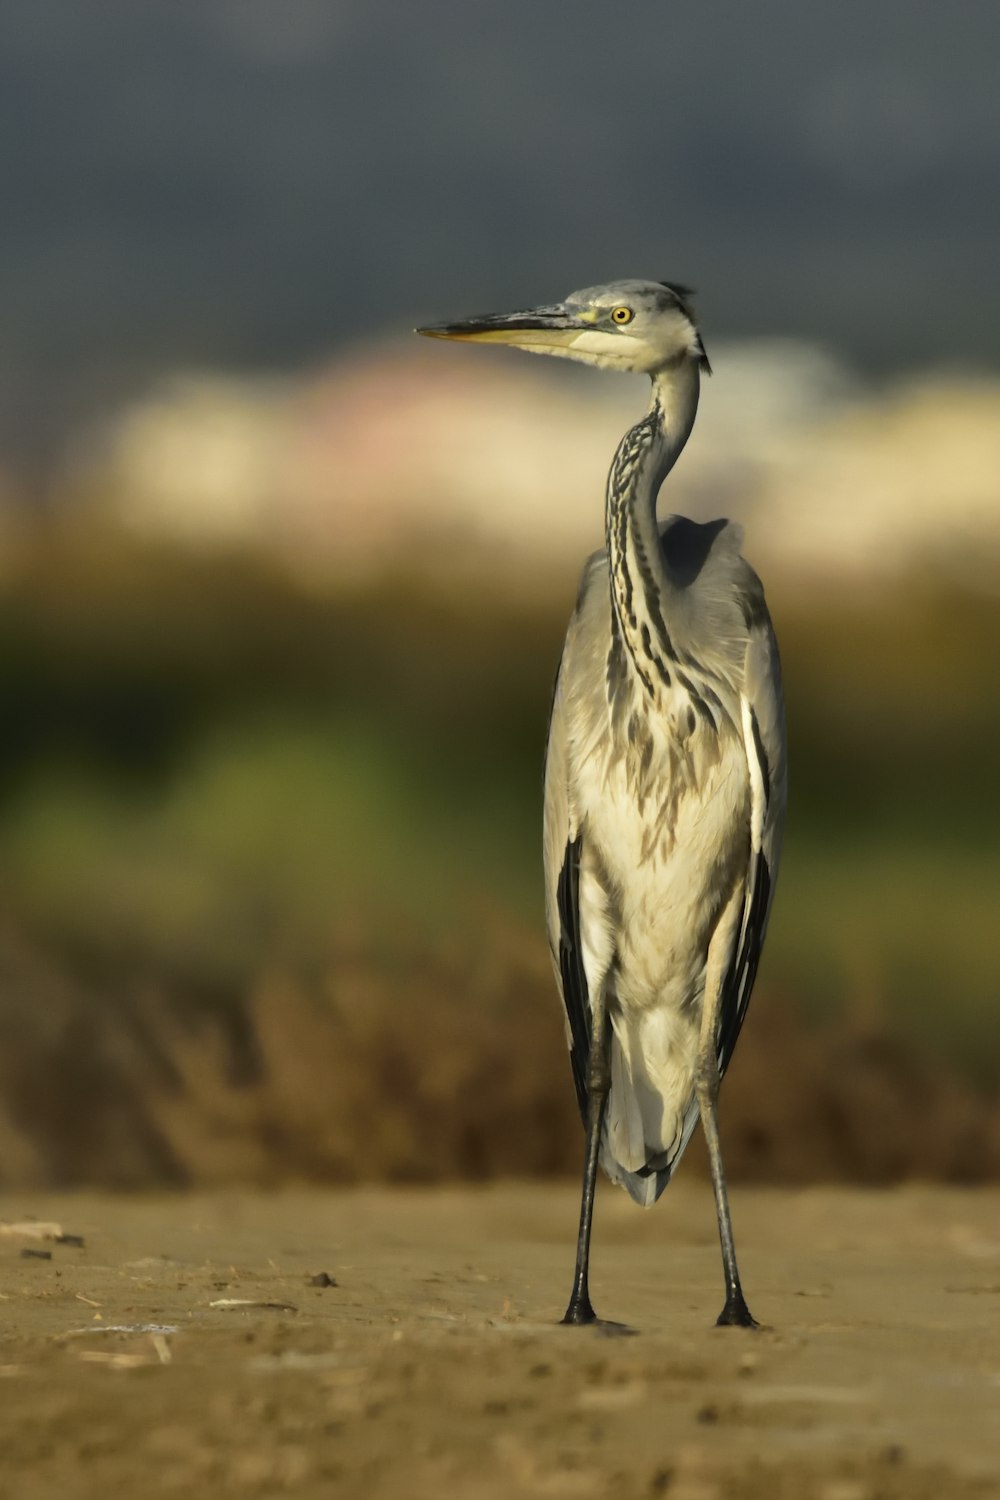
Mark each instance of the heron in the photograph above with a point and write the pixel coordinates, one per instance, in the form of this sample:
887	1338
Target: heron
665	777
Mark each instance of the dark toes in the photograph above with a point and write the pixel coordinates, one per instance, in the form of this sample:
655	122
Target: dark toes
736	1314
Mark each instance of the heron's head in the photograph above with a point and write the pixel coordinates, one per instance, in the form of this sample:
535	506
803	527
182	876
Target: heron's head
637	326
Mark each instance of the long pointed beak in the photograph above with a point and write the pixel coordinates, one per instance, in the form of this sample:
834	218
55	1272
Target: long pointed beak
539	327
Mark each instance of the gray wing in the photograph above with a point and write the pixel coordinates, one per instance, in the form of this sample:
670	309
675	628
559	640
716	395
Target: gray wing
563	841
763	717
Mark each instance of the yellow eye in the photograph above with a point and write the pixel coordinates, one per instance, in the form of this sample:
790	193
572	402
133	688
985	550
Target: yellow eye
622	315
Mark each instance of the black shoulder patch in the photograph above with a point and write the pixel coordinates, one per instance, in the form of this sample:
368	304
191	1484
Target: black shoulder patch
685	546
743	969
574	980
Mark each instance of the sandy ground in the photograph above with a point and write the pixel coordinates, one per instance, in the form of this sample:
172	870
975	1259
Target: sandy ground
187	1347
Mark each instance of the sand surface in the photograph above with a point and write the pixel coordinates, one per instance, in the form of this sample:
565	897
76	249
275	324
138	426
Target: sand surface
185	1347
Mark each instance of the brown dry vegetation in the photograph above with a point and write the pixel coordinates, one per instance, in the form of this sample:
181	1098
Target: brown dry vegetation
422	1067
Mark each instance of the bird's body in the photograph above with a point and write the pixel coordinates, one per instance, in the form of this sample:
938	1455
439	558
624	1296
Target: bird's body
664	780
661	805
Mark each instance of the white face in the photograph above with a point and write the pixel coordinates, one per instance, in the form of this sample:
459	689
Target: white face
639	326
634	325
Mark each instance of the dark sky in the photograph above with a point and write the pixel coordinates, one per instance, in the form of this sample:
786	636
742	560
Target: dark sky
256	182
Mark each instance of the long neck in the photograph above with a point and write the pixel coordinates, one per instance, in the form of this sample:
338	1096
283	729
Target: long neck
639	585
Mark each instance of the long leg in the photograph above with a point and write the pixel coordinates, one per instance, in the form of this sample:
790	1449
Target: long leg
735	1314
598	1086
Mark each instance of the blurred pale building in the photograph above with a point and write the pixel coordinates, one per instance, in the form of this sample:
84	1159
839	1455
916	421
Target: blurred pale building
201	460
910	477
414	455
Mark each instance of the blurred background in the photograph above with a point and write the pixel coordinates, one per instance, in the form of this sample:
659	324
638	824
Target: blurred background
282	589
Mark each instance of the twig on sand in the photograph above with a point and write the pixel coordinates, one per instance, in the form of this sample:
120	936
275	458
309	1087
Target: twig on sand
114	1361
161	1347
31	1229
39	1229
231	1304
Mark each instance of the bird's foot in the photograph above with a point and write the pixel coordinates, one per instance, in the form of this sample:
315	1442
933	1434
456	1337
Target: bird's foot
580	1314
736	1314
